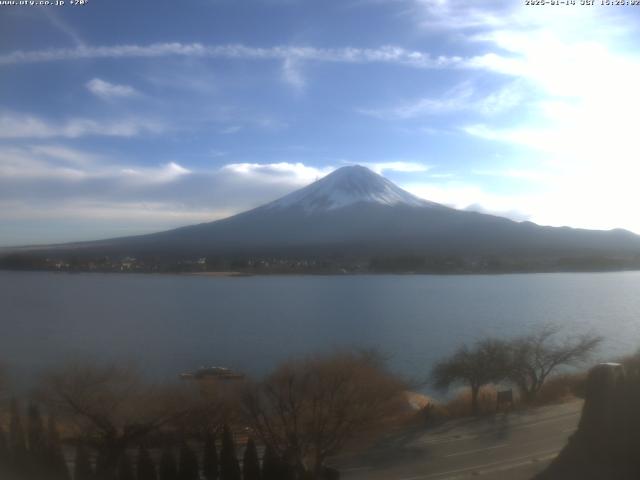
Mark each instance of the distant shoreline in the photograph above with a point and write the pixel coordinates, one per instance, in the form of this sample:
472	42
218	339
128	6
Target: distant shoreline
235	274
218	274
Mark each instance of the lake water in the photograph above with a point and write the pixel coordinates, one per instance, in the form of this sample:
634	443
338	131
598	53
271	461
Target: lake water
172	323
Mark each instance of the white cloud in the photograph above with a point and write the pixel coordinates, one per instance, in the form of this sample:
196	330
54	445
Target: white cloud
467	196
461	15
42	162
483	21
106	90
62	26
29	163
126	213
398	166
574	72
501	100
462	97
165	173
191	76
294	174
292	75
299	174
20	125
534	175
107	197
231	129
458	98
385	54
64	154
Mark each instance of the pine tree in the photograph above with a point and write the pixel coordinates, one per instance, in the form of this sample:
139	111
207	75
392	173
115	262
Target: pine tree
210	458
37	442
251	462
56	463
188	464
17	444
4	455
103	471
270	465
82	467
286	470
168	466
229	466
146	468
125	468
275	467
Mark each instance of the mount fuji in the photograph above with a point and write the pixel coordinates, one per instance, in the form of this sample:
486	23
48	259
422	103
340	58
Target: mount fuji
358	214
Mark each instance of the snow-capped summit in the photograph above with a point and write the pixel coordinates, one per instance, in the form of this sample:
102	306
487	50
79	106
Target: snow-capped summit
347	186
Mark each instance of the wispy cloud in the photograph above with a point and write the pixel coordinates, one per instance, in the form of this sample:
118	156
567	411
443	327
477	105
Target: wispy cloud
450	15
64	154
148	175
574	72
467	196
231	129
397	166
463	97
62	26
534	175
106	90
292	75
295	174
61	184
197	77
385	54
20	125
46	161
455	100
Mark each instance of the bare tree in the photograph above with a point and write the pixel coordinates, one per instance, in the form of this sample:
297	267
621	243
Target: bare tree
4	380
534	357
214	403
307	410
110	404
486	362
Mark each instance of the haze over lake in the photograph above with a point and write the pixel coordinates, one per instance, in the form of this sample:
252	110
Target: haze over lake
170	323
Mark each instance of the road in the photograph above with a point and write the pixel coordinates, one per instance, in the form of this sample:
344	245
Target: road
512	446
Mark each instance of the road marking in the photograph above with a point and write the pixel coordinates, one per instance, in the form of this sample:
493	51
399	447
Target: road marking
502	465
469	452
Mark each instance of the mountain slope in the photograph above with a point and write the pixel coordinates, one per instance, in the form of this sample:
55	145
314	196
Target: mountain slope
356	213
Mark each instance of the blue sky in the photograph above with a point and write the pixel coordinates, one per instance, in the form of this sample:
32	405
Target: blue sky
119	117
